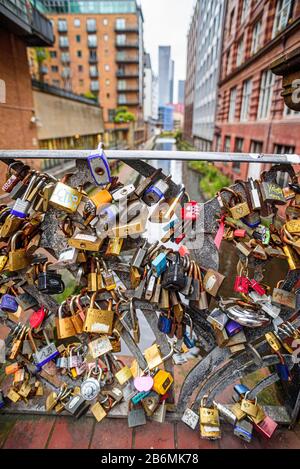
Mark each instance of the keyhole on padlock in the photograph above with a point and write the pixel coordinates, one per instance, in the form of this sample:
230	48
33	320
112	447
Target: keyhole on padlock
99	171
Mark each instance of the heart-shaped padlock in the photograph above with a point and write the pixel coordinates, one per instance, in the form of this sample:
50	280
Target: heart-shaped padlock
37	318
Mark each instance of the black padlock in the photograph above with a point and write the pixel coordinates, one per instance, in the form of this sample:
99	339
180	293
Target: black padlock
174	278
50	282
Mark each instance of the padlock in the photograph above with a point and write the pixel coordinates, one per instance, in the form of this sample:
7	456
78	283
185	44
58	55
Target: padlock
138	397
92	276
174	277
241	285
239	391
77	314
190	418
46	354
17	343
259	289
249	407
254	195
283	297
123	193
17	259
86	242
267	427
209	421
136	416
123	375
98	412
226	413
37	317
99	321
77	406
99	347
107	219
99	167
67	257
64	325
12	179
232	328
26	301
162	381
240	209
90	387
108	277
159	264
218	319
150	403
156	192
101	199
114	247
145	183
212	282
243	429
139	256
22	205
50	282
65	198
165	322
190	211
150	286
8	303
272	193
165	211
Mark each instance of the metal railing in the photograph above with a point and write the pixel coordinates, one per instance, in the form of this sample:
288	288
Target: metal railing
128	155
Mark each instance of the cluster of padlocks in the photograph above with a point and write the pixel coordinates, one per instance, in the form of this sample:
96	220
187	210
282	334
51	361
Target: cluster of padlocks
68	355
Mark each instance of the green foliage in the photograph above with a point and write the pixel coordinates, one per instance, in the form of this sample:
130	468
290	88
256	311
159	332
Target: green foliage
90	95
42	54
123	115
212	179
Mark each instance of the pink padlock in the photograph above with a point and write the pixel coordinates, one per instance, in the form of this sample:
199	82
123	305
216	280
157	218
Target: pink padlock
241	285
239	233
183	251
257	287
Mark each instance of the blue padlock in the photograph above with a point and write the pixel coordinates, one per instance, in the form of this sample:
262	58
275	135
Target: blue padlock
239	392
233	327
188	341
99	168
164	324
283	372
156	192
139	397
159	264
9	303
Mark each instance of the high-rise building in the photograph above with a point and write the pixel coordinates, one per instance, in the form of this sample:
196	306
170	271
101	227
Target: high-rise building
189	91
181	86
148	88
252	116
99	52
208	39
165	76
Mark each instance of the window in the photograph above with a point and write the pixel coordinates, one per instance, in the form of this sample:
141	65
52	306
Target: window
94	85
107	68
247	89
105	37
256	147
53	54
93	55
62	26
92	40
80	68
256	37
284	149
107	82
63	41
105	21
282	15
81	82
227	144
121	39
79	53
91	25
290	112
245	9
77	23
120	23
78	38
228	62
231	113
93	71
107	95
54	68
66	72
266	93
65	57
238	148
218	143
122	85
240	52
56	82
111	115
122	99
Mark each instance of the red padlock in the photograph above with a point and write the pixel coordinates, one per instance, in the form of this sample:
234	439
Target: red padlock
183	251
190	211
239	233
257	287
37	318
241	285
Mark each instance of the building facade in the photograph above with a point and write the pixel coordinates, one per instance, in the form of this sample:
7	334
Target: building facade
189	91
165	75
181	86
99	51
148	88
208	39
21	25
252	116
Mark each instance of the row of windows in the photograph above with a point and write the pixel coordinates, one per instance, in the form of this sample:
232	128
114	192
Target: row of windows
93	69
265	98
91	24
282	15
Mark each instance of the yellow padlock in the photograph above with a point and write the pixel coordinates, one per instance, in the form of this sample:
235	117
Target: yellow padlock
163	380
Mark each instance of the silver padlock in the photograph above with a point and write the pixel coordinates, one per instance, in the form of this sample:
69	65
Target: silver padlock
255	200
99	167
190	418
90	387
124	192
22	206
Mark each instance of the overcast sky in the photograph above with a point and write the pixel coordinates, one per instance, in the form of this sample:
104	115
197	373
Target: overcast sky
166	23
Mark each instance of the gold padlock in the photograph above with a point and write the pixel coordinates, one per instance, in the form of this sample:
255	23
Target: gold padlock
124	374
153	356
17	258
97	320
65	198
101	198
64	325
77	314
92	277
293	226
240	209
85	242
114	247
249	407
209	421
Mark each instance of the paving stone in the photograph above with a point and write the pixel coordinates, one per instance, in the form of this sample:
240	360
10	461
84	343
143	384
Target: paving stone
30	433
155	435
112	434
6	424
69	433
190	439
282	439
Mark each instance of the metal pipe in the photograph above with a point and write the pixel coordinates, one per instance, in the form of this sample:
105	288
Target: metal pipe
153	155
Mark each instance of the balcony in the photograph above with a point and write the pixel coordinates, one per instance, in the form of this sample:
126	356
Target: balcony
63	42
126	29
127	74
65	59
127	44
94	74
134	59
92	44
93	60
127	102
22	19
128	89
62	28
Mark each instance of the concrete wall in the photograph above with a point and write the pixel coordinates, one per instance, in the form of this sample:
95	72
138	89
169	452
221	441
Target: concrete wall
60	117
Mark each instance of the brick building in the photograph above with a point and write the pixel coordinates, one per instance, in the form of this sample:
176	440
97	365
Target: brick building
189	91
252	116
21	25
99	51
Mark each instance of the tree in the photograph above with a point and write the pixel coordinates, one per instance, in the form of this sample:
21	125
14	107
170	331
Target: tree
42	55
123	115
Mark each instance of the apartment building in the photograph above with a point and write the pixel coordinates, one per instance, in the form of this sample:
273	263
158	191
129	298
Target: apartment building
99	51
189	89
252	116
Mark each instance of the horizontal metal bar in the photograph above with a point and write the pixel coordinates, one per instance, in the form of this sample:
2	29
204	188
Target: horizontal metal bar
153	155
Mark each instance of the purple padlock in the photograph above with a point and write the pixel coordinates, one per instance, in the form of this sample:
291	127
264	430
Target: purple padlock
9	303
233	327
